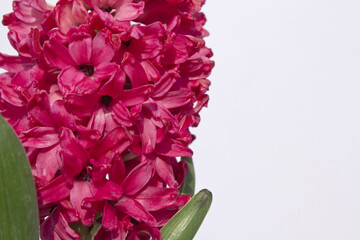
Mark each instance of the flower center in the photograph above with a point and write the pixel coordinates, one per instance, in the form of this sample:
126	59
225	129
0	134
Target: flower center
110	10
106	100
88	69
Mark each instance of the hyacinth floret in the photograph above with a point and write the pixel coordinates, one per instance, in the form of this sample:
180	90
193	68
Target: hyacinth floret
102	95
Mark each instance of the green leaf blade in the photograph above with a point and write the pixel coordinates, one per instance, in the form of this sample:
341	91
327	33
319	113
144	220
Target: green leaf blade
19	216
185	224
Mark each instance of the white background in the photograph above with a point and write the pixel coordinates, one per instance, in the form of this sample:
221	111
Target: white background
279	144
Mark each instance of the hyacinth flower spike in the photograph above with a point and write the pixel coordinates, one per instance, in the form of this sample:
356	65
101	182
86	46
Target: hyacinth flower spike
102	96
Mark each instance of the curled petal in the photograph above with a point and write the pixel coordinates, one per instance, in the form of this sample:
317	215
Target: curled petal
79	192
70	13
173	148
109	219
55	227
16	63
73	155
156	198
136	95
39	109
138	178
116	141
176	99
135	210
59	186
40	137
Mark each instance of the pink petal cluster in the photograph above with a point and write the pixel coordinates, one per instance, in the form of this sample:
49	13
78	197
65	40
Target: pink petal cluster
102	95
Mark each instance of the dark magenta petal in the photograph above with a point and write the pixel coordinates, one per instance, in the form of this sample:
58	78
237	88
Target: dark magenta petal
156	198
138	178
39	108
61	116
40	137
176	98
8	93
80	48
134	70
134	209
16	63
47	162
79	192
136	95
99	170
122	114
107	190
68	211
105	70
118	172
97	120
163	86
109	218
172	148
57	54
148	40
165	171
69	78
147	132
114	86
81	105
103	48
87	138
55	227
56	190
73	155
116	141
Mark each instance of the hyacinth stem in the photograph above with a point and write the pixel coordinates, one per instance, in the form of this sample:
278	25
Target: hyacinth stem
188	188
87	232
83	230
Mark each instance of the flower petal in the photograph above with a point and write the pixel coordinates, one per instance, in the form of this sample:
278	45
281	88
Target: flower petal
55	227
81	105
69	78
135	210
39	109
80	48
172	148
40	137
57	54
129	11
138	178
136	95
109	219
79	192
47	162
156	198
103	49
116	141
73	155
56	190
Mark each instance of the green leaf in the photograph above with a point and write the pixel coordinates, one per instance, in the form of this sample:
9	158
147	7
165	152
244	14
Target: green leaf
188	186
19	216
185	223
